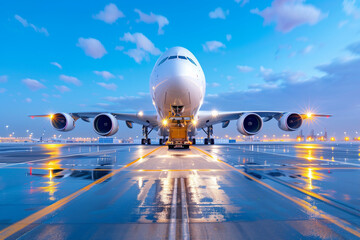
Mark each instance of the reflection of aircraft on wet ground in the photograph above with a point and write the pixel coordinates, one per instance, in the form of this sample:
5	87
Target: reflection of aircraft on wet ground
177	87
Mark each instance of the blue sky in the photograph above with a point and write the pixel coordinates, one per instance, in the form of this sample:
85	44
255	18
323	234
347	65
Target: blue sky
61	56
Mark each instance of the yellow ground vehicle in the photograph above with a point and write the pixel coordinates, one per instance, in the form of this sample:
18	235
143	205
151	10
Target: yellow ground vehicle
178	132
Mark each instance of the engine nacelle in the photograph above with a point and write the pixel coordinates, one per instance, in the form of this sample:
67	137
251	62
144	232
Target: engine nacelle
290	121
249	124
62	122
105	124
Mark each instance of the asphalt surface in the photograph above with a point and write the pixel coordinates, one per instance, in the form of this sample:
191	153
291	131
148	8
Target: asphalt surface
245	191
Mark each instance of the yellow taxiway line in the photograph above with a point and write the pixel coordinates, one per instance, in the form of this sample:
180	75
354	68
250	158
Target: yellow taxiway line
20	225
338	222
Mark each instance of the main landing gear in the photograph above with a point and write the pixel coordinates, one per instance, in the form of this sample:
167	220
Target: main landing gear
162	141
146	132
209	132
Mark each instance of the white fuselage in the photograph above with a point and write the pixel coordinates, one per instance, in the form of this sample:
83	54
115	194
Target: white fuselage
178	81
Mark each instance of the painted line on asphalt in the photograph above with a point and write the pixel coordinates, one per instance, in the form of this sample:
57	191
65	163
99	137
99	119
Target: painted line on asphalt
172	228
337	221
312	159
20	225
184	211
61	157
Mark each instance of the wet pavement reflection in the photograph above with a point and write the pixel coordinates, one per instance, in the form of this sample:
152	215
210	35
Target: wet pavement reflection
222	191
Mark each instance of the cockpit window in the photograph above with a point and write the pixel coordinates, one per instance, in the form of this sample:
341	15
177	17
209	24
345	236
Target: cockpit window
182	57
172	57
162	61
192	61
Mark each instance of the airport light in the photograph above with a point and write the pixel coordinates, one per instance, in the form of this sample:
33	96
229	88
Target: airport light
165	122
347	139
214	113
194	122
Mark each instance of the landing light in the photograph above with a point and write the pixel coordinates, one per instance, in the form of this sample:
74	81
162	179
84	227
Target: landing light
141	113
194	122
51	116
164	122
309	115
214	113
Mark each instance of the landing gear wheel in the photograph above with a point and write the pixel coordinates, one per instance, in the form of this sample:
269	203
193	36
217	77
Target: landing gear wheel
212	141
206	141
160	141
149	141
171	146
143	141
193	141
186	146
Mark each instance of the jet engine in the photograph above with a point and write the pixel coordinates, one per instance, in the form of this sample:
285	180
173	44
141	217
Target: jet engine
290	121
249	124
62	122
105	124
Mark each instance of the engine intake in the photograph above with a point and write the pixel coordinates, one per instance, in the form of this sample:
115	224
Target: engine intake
62	122
249	124
105	124
290	122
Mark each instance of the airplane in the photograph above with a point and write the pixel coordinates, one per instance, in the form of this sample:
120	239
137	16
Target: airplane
177	88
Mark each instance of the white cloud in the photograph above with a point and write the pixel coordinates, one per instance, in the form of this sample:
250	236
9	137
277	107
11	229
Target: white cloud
213	46
244	69
119	48
142	42
110	14
242	2
56	64
219	13
137	54
33	84
284	77
351	9
143	46
121	77
28	100
92	47
105	74
108	86
3	79
228	37
342	23
153	18
62	88
290	14
70	79
2	90
215	84
307	49
25	23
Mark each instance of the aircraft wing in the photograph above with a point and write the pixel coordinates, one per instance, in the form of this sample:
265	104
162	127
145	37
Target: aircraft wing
149	120
208	118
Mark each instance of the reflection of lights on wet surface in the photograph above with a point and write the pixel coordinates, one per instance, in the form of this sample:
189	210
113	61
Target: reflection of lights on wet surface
53	149
310	177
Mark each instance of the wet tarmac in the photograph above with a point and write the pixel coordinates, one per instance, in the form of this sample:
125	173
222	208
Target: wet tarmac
243	191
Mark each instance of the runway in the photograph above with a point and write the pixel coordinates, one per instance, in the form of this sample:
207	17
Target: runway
237	191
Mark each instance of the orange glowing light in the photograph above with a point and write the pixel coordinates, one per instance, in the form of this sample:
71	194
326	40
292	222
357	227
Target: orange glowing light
51	116
347	138
164	122
309	115
332	139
